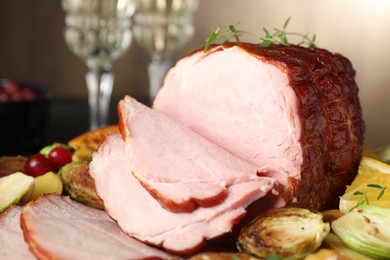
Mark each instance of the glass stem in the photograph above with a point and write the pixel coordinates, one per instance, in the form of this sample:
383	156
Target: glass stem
100	83
157	70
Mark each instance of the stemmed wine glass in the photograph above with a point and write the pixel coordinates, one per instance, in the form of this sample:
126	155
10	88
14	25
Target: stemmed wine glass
98	31
161	27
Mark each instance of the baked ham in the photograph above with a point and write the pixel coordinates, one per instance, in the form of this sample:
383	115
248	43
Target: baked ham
180	168
291	111
11	236
141	216
234	115
57	227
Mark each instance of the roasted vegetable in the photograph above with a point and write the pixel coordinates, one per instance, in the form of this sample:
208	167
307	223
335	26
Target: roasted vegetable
88	142
291	233
221	256
334	243
366	229
331	215
13	188
11	164
325	253
47	183
79	184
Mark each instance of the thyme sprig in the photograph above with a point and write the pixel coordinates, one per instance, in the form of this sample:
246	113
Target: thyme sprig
364	198
279	36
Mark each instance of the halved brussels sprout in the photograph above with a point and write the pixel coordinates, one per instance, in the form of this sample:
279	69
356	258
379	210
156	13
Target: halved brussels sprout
366	229
79	184
291	233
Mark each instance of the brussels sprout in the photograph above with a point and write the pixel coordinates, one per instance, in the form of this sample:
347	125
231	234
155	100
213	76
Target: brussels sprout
331	215
366	229
13	187
79	184
291	233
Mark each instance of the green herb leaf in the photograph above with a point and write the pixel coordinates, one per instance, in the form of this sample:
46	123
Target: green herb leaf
381	194
375	186
277	37
364	199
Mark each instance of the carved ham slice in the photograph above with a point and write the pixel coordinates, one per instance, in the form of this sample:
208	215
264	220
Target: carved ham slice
142	217
11	236
180	168
59	228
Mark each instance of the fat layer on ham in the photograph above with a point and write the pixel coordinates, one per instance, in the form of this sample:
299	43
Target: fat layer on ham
59	228
143	217
180	168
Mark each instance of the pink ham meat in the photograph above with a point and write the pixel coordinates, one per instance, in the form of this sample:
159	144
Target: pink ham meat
12	245
180	168
291	111
140	215
59	228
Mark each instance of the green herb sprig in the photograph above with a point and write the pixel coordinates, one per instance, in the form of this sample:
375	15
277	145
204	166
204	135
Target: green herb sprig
364	199
279	36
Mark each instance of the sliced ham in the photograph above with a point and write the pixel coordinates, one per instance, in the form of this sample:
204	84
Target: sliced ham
291	111
180	168
59	228
12	242
140	215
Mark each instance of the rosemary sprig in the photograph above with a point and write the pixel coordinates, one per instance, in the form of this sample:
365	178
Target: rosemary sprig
279	36
364	199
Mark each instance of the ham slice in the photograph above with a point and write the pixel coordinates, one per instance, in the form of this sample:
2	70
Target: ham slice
291	111
11	236
143	217
57	227
180	168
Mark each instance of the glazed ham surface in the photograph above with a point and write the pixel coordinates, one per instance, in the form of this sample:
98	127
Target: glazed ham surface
57	227
12	243
291	111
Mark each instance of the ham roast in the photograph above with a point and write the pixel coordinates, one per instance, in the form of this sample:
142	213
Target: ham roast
11	236
57	227
235	128
291	111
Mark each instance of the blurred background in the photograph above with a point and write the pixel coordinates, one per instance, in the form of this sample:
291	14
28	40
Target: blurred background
32	48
